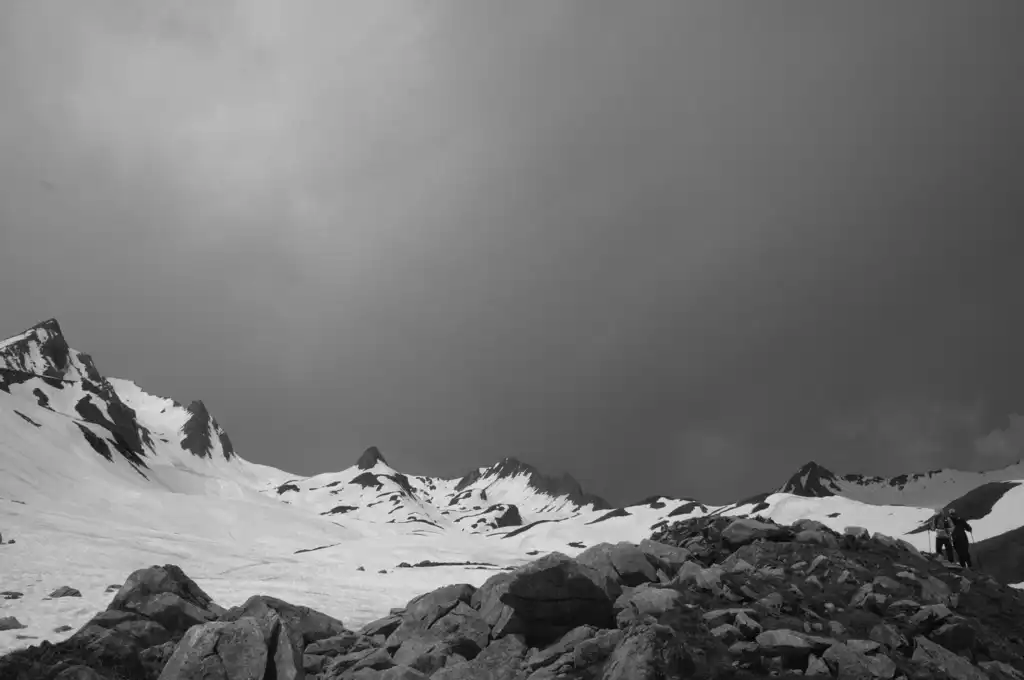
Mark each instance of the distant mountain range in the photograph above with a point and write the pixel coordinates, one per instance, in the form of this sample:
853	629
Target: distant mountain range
62	421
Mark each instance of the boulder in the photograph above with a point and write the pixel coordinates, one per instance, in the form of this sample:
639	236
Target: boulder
644	602
79	673
10	623
790	643
423	655
624	564
649	652
336	645
385	626
743	531
888	635
717	617
463	630
595	650
429	605
502	660
545	599
66	591
816	537
560	650
304	625
238	649
354	664
941	662
956	636
667	557
807	524
859	533
852	664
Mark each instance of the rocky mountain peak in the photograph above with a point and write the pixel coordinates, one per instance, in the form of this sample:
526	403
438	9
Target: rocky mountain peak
370	458
42	350
563	486
811	480
199	432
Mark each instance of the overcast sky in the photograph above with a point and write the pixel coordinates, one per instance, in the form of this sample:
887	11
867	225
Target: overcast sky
668	247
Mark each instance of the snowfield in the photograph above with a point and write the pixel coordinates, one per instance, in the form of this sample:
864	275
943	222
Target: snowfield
84	511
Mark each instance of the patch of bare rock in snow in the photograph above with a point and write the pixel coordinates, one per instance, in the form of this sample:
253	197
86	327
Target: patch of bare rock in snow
719	598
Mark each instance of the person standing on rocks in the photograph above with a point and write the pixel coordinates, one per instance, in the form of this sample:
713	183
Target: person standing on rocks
960	542
942	525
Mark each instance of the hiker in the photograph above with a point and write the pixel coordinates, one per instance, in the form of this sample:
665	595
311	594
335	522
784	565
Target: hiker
942	525
959	535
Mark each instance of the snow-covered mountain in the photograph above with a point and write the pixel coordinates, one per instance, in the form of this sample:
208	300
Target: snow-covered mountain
88	461
933	489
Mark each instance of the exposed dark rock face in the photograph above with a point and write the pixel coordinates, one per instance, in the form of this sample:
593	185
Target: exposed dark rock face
811	480
559	487
121	425
9	378
26	418
370	458
688	508
618	512
509	518
199	431
979	501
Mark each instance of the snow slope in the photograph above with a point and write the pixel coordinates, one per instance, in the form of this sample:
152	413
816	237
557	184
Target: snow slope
932	489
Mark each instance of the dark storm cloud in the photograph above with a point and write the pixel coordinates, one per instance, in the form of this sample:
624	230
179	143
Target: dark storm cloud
669	248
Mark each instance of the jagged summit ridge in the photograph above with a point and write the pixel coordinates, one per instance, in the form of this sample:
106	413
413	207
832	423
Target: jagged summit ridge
812	480
58	378
563	486
370	458
42	350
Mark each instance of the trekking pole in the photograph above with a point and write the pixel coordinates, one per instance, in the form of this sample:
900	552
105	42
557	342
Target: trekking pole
977	558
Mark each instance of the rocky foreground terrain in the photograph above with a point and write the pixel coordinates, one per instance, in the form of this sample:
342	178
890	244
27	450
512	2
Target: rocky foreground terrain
726	598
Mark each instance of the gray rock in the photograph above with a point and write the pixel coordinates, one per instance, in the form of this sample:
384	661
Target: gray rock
667	557
718	616
336	644
219	650
546	599
817	538
727	633
747	626
385	626
817	667
11	623
888	635
66	591
649	653
502	660
851	664
783	642
402	673
623	563
857	532
437	603
744	531
563	648
940	660
644	602
423	655
304	625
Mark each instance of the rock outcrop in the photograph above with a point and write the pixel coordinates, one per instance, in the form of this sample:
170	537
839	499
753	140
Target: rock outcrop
718	598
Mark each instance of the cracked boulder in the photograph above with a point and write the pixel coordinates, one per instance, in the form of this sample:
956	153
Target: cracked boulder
546	599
